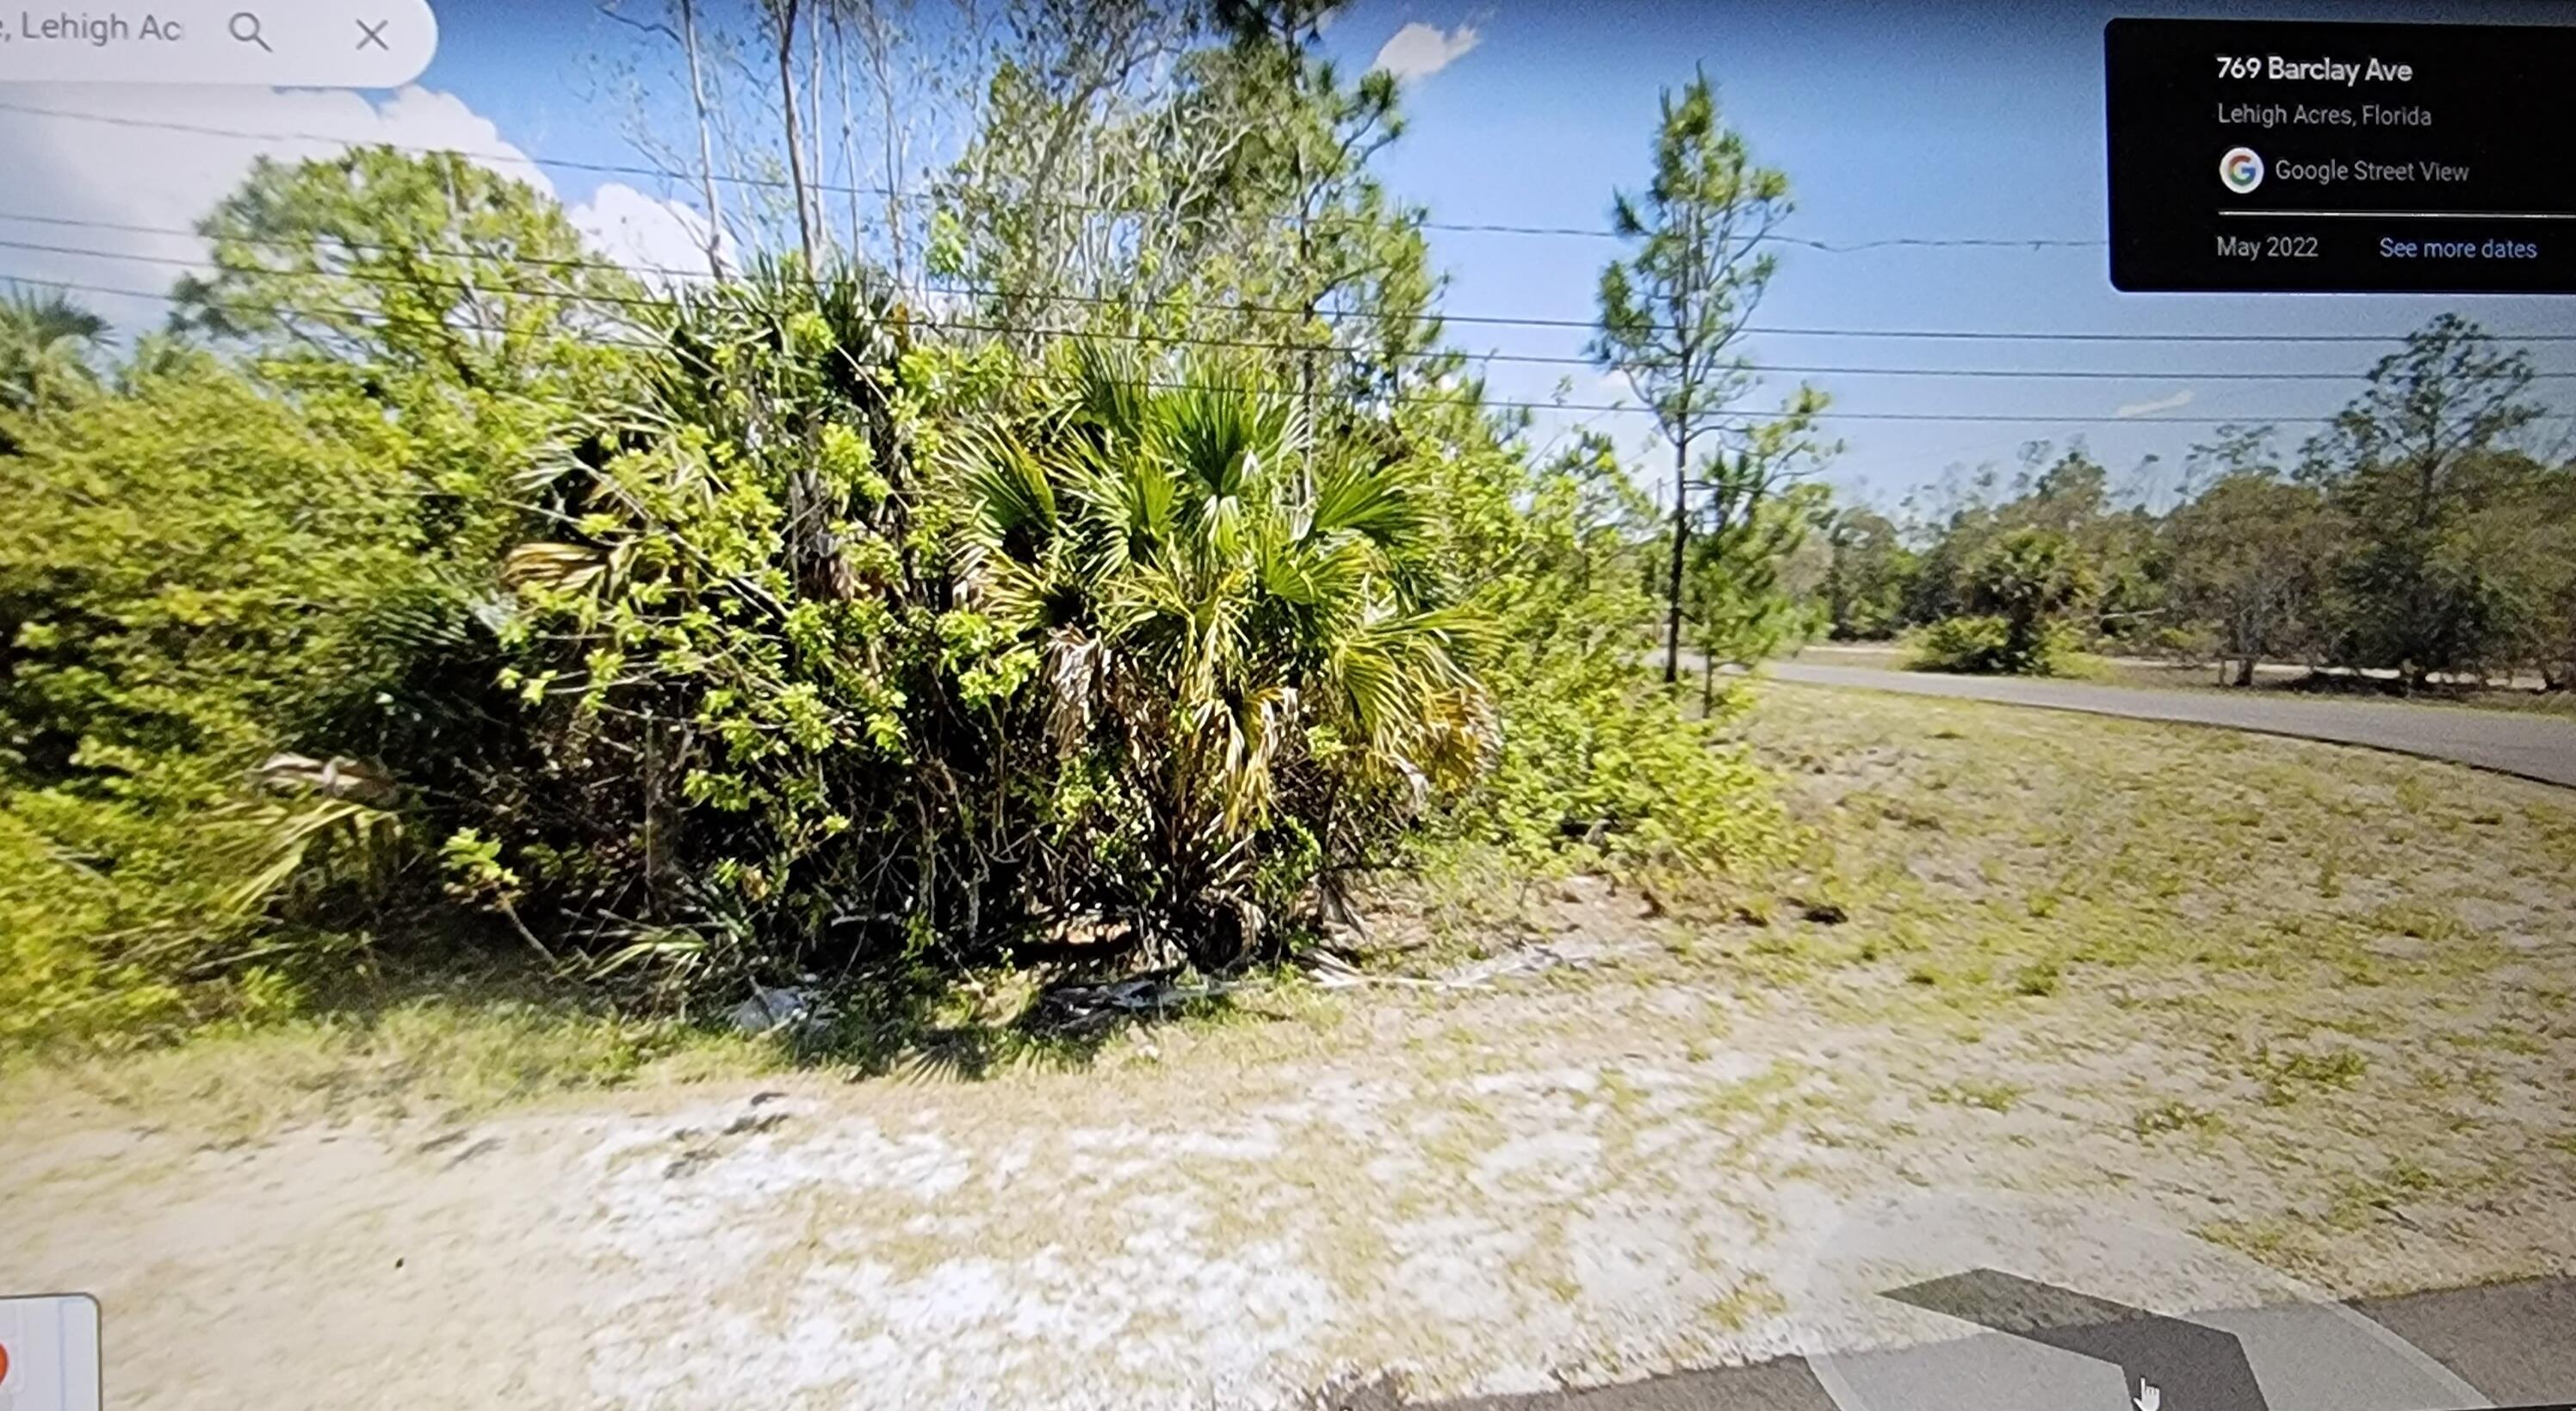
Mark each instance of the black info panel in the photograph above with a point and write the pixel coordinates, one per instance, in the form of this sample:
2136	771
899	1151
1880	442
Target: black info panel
2323	157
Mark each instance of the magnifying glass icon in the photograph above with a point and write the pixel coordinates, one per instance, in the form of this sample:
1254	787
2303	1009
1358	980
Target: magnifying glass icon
245	29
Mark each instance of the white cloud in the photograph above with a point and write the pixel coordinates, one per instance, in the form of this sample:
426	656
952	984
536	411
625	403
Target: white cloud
664	242
2160	404
1420	50
162	165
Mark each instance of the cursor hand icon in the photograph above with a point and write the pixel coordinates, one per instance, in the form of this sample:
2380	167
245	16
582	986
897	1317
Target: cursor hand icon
2148	1397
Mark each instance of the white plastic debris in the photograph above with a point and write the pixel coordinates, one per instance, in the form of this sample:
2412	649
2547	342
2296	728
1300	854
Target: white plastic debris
769	1009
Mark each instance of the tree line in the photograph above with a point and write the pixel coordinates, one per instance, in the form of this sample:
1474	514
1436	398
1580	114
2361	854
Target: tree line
2425	532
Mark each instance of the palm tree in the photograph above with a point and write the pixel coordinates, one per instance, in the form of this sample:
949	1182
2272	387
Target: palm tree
1234	621
45	345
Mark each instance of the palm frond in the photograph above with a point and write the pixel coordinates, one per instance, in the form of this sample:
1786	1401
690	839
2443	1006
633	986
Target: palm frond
1014	494
559	568
319	836
1376	502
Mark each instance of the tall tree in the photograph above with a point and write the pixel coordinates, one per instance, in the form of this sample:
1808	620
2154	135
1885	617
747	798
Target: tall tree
682	29
1753	514
1143	174
1673	312
780	17
1867	571
378	264
2250	553
2553	637
2407	466
2028	580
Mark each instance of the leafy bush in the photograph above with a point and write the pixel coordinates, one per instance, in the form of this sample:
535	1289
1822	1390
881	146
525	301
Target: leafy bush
1594	762
1976	645
192	574
755	722
2020	590
778	642
806	647
57	981
845	652
1988	646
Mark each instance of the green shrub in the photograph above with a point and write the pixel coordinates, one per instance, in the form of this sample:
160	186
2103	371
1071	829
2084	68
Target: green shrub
2022	588
56	981
801	646
1986	646
194	574
850	652
1232	632
1594	762
1962	644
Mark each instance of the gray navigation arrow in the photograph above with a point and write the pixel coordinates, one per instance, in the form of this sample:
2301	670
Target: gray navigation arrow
2194	1368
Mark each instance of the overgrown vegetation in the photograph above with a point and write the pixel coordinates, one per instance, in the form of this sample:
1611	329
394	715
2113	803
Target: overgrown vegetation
1096	558
2020	589
434	582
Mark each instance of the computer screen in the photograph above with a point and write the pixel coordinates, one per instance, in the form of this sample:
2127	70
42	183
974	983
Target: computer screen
1834	706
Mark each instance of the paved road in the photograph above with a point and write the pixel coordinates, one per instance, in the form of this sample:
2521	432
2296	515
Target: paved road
2534	746
2515	1343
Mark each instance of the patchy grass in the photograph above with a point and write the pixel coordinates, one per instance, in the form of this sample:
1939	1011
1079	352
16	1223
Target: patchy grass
2009	854
452	1054
2286	1077
1979	1092
2176	1117
1986	1093
2315	1003
468	1044
2301	956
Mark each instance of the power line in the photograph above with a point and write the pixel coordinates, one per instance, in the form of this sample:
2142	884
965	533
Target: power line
1280	345
186	232
1488	403
1494	320
359	276
1778	330
376	317
661	173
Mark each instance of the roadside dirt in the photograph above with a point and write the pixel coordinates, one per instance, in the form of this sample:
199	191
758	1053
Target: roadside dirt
1563	1181
1610	1165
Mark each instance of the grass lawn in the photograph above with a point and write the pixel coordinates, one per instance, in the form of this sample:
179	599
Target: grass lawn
2353	974
2318	1004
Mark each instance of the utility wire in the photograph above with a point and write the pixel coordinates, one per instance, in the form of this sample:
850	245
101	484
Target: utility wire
1272	344
1149	304
373	317
379	319
1286	346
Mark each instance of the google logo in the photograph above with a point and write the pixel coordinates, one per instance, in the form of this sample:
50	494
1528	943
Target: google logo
2241	169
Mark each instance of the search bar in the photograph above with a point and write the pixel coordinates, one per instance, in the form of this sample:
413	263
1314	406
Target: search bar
342	44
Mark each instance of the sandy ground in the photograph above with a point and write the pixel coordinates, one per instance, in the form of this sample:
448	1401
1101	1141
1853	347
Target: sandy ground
1612	1162
1585	1197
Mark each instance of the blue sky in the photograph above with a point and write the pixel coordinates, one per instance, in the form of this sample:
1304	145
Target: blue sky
1978	121
1892	121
